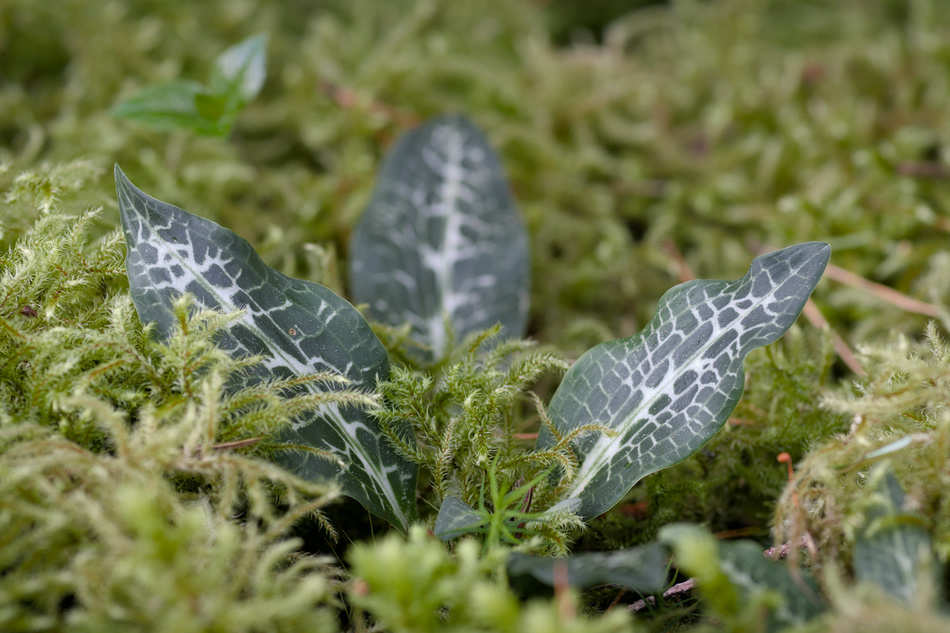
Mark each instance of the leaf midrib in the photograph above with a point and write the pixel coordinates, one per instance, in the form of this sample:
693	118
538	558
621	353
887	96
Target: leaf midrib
452	183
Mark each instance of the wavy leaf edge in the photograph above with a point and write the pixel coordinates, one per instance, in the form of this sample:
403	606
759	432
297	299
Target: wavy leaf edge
670	388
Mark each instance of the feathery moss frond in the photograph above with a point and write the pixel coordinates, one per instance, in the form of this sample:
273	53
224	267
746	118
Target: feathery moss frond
467	414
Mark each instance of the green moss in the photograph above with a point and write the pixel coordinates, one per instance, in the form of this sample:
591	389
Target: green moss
717	127
703	124
415	586
899	422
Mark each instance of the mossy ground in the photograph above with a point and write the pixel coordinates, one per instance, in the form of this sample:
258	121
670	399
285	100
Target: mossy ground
675	140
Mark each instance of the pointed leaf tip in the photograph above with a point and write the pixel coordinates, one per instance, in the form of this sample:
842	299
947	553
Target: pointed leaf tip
240	71
120	177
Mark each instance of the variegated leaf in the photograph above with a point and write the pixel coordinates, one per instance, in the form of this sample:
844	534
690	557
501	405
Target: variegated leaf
300	327
641	569
895	550
667	390
441	242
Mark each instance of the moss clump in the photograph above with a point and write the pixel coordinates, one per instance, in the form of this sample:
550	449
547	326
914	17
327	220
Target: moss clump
899	421
705	124
715	127
93	543
414	586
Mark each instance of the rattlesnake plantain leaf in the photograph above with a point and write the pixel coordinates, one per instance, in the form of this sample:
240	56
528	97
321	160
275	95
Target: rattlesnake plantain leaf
300	327
441	245
669	389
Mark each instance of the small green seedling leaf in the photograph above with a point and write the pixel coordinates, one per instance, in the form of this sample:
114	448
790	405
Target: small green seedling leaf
669	389
640	568
240	71
441	245
299	327
236	78
210	107
169	106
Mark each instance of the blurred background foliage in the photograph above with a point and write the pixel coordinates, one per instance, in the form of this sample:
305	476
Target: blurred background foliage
646	142
720	127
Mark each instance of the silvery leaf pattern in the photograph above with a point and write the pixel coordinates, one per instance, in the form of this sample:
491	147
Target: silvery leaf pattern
895	550
669	389
441	245
299	327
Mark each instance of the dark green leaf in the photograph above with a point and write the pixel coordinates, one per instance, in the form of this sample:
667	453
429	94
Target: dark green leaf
752	573
895	551
736	575
441	243
298	326
667	390
640	569
456	518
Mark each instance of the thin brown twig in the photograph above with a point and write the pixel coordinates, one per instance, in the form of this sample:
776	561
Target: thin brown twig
886	293
923	169
565	605
683	270
816	318
226	446
942	223
683	587
737	532
741	422
616	599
